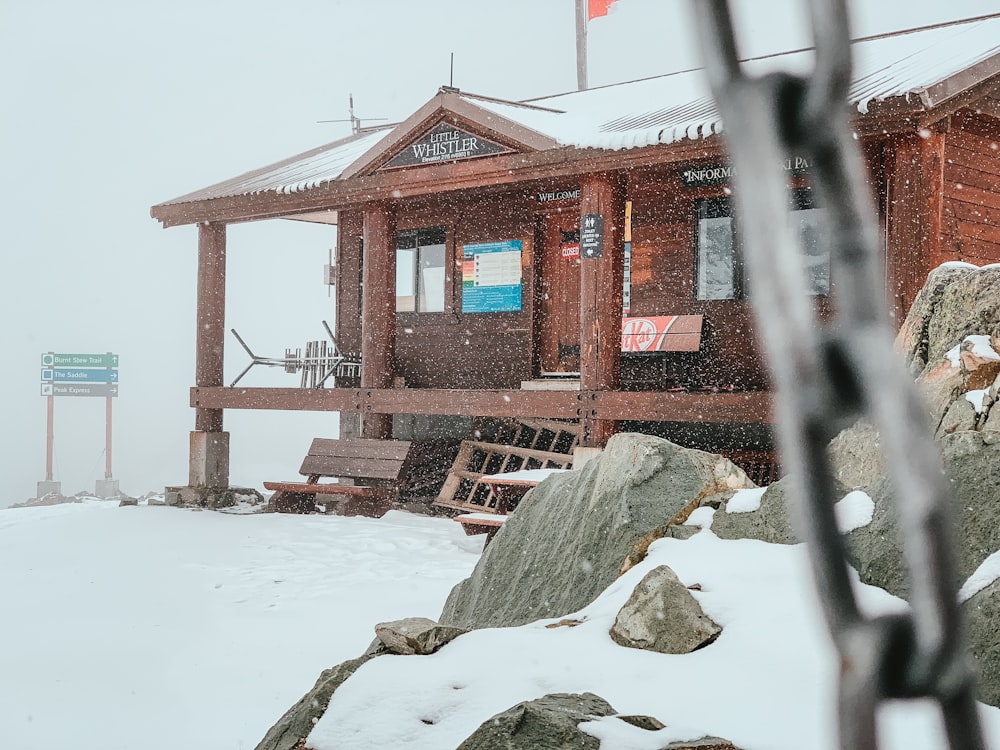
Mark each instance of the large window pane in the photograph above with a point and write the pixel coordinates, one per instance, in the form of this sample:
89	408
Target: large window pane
432	258
406	269
420	270
716	251
815	248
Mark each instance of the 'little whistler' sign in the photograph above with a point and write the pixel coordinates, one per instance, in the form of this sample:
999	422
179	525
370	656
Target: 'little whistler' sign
446	142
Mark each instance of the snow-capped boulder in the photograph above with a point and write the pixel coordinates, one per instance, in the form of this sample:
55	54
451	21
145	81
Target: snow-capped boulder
957	300
571	536
972	463
548	722
768	522
415	635
563	721
662	615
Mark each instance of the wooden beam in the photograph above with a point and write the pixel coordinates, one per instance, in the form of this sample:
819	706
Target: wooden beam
211	319
753	407
749	407
378	311
508	169
915	180
601	297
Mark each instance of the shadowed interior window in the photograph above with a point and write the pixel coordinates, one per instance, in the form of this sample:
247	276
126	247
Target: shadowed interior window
717	266
420	270
719	272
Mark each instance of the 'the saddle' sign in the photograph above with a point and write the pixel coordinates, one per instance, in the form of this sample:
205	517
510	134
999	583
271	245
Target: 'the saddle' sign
446	142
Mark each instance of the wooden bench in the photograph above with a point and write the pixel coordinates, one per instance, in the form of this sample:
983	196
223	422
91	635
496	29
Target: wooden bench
371	472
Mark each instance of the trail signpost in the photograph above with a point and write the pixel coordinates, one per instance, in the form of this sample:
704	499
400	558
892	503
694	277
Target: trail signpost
79	375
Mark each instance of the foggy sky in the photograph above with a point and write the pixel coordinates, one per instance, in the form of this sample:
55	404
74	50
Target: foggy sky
112	106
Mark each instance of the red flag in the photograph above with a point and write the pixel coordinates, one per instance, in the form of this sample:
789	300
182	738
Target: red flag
596	8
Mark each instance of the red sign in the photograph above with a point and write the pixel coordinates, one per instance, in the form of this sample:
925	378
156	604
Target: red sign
571	251
662	333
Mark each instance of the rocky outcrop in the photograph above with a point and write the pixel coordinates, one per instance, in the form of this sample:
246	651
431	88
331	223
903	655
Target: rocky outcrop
771	522
957	300
298	721
415	636
662	615
982	614
552	722
570	535
972	464
548	723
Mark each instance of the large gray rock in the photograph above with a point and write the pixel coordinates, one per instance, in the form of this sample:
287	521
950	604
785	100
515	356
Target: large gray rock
914	338
969	304
548	723
662	615
982	613
415	635
568	538
941	385
856	457
298	721
972	464
772	522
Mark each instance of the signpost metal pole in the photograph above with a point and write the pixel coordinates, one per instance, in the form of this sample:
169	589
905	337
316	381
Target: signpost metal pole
107	441
49	439
79	375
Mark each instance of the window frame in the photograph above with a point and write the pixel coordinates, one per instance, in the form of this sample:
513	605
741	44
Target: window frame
717	207
417	240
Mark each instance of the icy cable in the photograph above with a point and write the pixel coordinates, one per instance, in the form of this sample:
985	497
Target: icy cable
826	377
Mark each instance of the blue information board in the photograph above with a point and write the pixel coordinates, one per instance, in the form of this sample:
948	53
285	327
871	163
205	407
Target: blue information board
491	277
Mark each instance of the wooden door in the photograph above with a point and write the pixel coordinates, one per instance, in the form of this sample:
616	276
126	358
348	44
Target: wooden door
559	295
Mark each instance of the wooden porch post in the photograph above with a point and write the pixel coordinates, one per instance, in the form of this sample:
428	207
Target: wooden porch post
601	299
209	449
378	310
914	207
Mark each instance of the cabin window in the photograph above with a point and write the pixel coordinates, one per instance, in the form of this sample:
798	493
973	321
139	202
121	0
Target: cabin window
719	266
717	275
420	270
815	243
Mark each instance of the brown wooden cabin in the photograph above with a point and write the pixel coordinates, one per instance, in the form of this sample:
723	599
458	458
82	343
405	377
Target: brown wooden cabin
461	280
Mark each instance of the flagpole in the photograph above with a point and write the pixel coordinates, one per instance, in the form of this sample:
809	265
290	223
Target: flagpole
581	44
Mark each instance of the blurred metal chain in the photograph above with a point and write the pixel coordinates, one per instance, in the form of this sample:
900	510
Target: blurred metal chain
827	377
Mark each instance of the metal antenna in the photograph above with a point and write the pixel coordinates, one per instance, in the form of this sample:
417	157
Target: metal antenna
451	74
355	121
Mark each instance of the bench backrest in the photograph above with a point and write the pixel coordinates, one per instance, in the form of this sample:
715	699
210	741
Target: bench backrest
357	458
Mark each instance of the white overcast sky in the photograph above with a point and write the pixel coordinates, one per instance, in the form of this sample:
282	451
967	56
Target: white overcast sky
110	106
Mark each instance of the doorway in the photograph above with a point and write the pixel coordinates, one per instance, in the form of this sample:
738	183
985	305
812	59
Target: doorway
559	295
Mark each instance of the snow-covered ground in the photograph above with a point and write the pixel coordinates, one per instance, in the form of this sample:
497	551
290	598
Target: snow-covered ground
162	628
158	628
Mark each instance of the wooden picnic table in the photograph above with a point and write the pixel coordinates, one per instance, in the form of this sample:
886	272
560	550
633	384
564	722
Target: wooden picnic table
508	488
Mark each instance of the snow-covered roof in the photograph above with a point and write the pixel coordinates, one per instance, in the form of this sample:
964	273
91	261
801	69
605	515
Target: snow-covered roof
925	67
679	106
298	173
